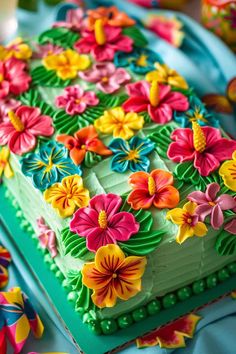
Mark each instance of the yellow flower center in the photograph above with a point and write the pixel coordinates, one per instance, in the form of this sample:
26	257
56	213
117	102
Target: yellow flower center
69	196
1	78
133	155
102	219
78	100
212	204
151	186
50	165
199	139
154	93
142	60
189	220
105	79
114	275
15	121
100	35
83	147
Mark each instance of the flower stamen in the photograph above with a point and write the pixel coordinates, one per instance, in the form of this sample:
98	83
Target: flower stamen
1	78
151	186
16	122
100	35
154	93
102	219
199	139
142	60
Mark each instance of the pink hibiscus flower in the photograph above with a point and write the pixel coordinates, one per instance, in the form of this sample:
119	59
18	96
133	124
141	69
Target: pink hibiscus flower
209	204
160	107
13	77
206	157
113	41
75	100
74	20
102	224
42	51
22	127
107	77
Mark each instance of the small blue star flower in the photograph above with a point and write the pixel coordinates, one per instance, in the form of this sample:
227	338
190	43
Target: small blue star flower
140	60
49	165
131	155
197	112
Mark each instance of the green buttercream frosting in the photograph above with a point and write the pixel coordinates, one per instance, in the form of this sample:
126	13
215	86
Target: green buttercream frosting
60	36
75	245
48	78
226	243
33	98
91	159
134	33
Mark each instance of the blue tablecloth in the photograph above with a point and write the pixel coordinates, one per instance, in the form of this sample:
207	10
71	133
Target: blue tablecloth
208	65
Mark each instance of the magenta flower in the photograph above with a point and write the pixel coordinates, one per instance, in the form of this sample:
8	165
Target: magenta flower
13	77
74	20
102	223
112	41
47	237
42	51
159	103
6	105
209	204
22	128
107	77
75	100
231	227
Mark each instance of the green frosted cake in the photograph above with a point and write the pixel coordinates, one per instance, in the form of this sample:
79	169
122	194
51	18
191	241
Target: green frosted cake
126	179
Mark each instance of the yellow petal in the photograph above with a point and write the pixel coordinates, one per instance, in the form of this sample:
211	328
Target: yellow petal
154	76
177	216
234	155
93	278
125	289
108	258
66	73
84	62
177	81
200	229
228	173
134	121
54	191
104	297
132	268
185	231
190	207
123	132
52	62
22	329
8	173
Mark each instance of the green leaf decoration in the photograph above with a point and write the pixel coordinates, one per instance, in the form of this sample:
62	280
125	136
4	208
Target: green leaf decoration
91	159
32	98
75	245
162	139
146	240
146	117
186	92
111	101
48	78
226	244
134	33
186	172
60	36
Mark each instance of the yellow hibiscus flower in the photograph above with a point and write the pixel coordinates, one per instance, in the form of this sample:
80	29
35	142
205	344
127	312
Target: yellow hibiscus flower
68	195
122	125
67	64
228	173
4	163
165	75
187	221
17	49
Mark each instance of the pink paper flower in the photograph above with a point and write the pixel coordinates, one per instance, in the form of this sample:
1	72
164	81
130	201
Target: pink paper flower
22	127
42	51
74	20
102	224
13	77
159	100
6	105
209	204
47	237
75	100
104	50
207	156
107	77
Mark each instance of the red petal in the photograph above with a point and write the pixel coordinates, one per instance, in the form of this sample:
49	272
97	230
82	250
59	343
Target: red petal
135	104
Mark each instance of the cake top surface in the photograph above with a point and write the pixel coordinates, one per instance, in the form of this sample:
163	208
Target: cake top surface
89	98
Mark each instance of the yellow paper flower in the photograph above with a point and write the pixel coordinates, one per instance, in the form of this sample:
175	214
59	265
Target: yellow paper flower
4	163
113	275
122	125
228	173
187	221
165	75
68	195
67	64
17	49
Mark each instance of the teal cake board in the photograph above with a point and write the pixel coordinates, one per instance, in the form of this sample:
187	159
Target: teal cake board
85	340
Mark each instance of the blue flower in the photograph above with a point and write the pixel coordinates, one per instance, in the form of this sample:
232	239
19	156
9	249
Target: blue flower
131	155
140	60
49	165
197	111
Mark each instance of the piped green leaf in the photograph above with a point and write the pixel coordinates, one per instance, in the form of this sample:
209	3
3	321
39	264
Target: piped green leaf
32	98
48	78
75	245
134	33
60	36
226	244
161	137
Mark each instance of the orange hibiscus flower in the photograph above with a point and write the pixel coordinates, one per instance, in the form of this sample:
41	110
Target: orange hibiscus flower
113	276
155	189
110	15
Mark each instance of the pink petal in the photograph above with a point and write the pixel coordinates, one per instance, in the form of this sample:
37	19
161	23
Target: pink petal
120	76
112	33
105	69
74	108
21	142
177	101
60	101
136	104
4	89
84	46
140	88
222	149
217	217
110	203
161	114
98	238
90	98
231	227
203	211
84	221
43	126
75	91
107	87
198	197
184	134
124	44
226	202
6	131
122	226
212	135
211	191
205	163
179	151
103	52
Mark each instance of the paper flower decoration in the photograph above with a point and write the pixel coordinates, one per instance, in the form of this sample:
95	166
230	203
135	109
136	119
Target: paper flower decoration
103	42
209	204
68	195
228	172
140	60
66	64
158	100
85	139
131	155
18	318
109	15
74	20
196	112
22	128
167	76
44	50
155	189
106	76
167	28
5	260
47	237
202	145
172	335
75	100
5	167
118	123
187	221
49	165
112	276
13	77
102	223
6	105
16	49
